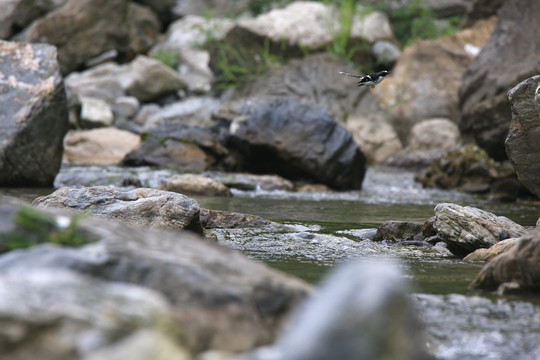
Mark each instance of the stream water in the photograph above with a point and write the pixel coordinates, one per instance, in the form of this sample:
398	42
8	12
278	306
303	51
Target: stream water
322	229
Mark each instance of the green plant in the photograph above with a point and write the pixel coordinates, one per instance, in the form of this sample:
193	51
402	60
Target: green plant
167	57
33	227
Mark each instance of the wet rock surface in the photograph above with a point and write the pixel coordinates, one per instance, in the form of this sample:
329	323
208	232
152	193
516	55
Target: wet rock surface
465	229
311	144
143	207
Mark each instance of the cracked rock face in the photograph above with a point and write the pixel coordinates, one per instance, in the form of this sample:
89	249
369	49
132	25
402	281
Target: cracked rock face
34	116
148	208
465	229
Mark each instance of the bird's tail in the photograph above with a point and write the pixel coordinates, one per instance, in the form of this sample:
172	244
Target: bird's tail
351	75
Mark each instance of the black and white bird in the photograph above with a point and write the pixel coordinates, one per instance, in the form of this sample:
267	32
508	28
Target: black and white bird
370	80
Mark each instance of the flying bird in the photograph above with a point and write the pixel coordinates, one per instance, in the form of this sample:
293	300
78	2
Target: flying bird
369	80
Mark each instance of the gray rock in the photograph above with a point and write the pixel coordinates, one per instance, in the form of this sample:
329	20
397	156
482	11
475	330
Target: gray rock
509	57
311	25
195	70
465	229
374	134
148	79
192	31
313	81
101	82
148	208
60	314
216	219
220	299
386	52
194	184
521	145
296	141
34	116
126	107
95	113
434	134
398	231
516	269
251	182
99	27
361	311
170	152
185	8
192	111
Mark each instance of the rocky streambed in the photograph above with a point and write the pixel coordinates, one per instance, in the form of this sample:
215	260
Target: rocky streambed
306	234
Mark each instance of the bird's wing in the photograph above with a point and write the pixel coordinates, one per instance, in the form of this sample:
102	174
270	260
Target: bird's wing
352	75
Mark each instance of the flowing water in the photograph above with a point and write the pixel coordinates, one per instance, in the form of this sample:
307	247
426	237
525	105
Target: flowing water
324	229
321	229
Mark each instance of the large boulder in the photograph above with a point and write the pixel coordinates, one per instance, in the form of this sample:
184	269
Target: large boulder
149	208
57	313
465	229
34	116
83	29
314	80
522	143
426	78
517	269
510	56
220	299
297	141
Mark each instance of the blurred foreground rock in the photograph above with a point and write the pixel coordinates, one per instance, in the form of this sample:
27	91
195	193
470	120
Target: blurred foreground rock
201	294
362	311
53	313
523	142
34	117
